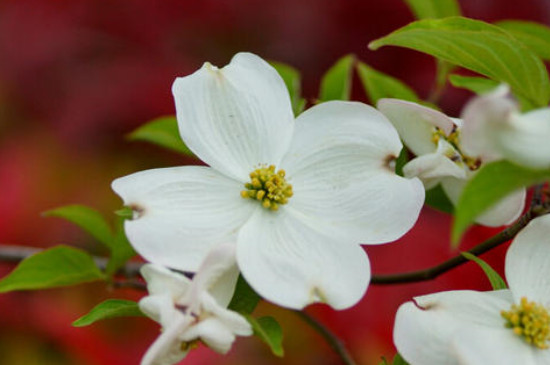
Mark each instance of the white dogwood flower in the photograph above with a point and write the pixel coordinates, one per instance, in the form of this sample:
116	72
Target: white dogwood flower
298	197
510	326
437	141
494	128
193	310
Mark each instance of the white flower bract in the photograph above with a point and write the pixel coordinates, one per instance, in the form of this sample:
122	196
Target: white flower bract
468	328
437	140
193	310
495	128
336	156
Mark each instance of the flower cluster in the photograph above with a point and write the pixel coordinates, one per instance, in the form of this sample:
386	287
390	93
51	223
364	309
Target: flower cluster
288	203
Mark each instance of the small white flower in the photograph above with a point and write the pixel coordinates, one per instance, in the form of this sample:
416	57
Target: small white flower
438	142
193	310
499	327
297	230
494	128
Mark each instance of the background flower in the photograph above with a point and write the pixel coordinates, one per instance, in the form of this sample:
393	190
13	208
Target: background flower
468	327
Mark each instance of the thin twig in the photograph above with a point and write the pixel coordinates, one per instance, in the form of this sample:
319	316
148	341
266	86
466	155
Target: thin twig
334	342
15	254
537	209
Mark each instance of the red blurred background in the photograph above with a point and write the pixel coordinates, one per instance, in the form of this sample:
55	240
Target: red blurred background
76	76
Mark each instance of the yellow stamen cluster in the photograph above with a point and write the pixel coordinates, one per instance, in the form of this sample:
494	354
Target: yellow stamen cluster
453	138
268	187
529	320
189	345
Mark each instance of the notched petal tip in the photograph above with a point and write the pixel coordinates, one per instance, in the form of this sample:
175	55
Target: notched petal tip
138	211
389	163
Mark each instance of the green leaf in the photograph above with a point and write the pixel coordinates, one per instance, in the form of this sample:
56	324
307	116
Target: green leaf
86	218
481	85
245	298
398	360
401	161
379	85
121	250
336	84
476	84
55	267
269	331
534	35
111	308
293	82
424	9
496	281
490	184
480	47
162	131
437	199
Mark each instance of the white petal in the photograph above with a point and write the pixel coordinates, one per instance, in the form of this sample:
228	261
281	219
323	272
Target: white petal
224	288
423	331
524	139
482	346
292	265
166	349
430	168
483	117
214	334
160	308
235	117
236	323
415	123
220	263
527	262
504	212
339	167
161	280
182	213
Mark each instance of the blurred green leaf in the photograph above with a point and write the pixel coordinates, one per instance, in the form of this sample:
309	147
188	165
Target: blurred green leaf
121	250
86	218
425	9
269	331
401	160
55	267
163	132
111	308
481	85
480	47
534	35
293	82
437	199
398	360
245	299
336	83
490	184
476	84
496	281
379	85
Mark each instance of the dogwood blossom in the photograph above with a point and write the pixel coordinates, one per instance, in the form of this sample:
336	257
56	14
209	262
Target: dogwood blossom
298	197
494	128
437	141
510	326
193	310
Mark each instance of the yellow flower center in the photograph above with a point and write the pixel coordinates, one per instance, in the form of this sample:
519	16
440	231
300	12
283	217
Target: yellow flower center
453	138
268	187
529	320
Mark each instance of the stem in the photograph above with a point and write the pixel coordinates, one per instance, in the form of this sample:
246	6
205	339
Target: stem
538	208
334	342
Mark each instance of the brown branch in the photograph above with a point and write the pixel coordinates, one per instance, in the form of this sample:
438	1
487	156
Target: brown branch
334	342
538	207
